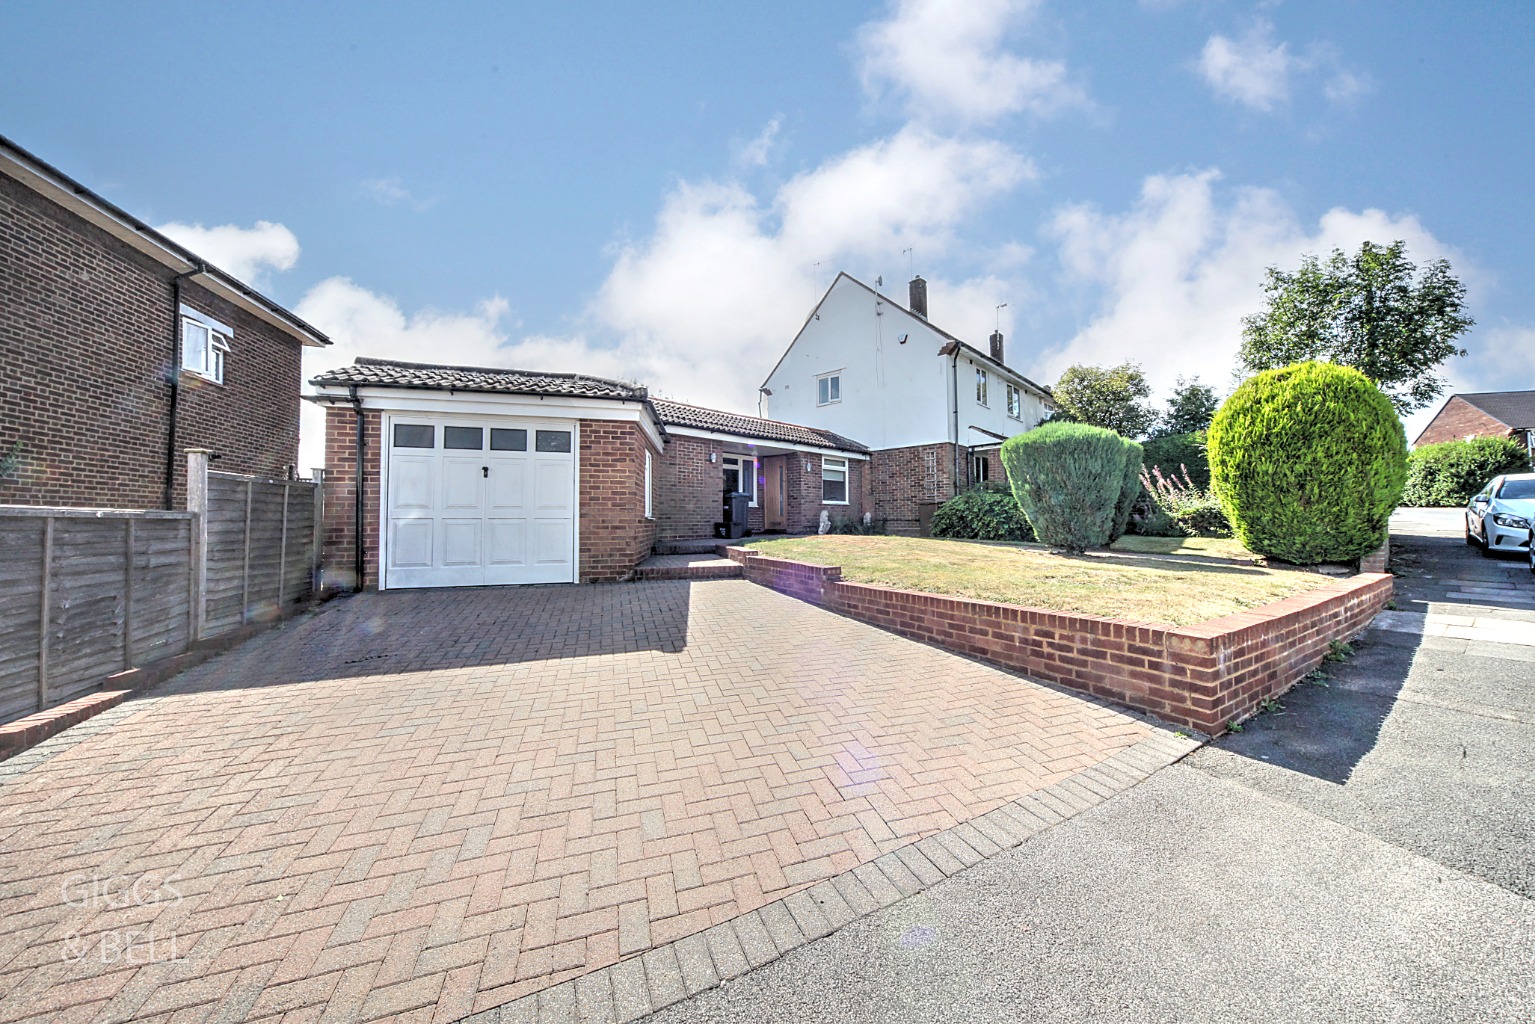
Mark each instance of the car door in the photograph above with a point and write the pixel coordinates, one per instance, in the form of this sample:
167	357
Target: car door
1476	510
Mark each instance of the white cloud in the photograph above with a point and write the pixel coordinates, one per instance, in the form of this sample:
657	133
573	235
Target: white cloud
1178	271
759	150
247	253
947	60
1345	86
1253	70
392	192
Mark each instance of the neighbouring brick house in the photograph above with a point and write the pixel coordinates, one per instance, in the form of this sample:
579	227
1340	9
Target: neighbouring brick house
119	349
1484	414
932	409
482	476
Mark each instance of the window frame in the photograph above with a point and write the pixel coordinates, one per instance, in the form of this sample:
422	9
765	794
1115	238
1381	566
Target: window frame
833	381
214	349
980	468
650	507
1014	402
847	479
743	474
982	387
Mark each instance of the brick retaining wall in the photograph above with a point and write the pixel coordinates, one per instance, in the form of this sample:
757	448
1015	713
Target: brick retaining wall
1201	676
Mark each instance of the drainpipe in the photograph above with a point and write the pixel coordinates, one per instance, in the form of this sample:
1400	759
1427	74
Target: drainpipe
361	559
175	382
954	434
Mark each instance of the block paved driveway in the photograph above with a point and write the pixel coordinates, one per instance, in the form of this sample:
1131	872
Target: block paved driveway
421	805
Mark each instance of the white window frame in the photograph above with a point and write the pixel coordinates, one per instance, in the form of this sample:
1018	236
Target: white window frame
835	466
649	486
743	474
980	468
1015	402
982	387
211	352
833	388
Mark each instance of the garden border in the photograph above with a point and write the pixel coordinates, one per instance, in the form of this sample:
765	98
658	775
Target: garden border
1202	676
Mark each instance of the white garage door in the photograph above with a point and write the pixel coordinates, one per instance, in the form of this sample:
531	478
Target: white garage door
478	502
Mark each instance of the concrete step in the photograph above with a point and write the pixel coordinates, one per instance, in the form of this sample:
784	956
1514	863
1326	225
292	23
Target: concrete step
696	546
696	566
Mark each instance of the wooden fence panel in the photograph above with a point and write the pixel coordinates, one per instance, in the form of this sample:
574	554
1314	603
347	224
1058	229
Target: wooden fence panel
21	584
224	593
162	611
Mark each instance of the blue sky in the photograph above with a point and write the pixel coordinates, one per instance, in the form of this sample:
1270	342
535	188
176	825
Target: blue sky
660	191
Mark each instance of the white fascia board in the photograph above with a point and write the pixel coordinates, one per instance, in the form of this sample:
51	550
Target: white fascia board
477	403
762	442
145	239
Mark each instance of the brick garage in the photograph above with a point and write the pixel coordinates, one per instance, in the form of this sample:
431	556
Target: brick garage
1483	414
615	534
1201	676
88	336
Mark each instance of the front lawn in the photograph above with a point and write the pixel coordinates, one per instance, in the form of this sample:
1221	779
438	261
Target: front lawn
1173	581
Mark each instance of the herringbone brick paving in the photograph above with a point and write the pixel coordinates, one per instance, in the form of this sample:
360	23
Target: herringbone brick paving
420	805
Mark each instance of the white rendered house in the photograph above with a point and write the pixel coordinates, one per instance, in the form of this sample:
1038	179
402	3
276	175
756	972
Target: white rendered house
933	409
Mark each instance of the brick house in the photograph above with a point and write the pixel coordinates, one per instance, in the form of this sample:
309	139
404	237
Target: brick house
475	476
933	409
119	349
1483	414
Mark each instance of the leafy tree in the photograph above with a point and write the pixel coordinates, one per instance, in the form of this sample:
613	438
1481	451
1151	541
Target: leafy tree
1113	398
1192	407
1371	311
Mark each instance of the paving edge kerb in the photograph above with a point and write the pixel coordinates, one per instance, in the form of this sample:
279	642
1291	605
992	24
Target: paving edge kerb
653	980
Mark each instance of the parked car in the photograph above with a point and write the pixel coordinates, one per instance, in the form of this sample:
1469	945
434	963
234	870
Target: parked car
1500	516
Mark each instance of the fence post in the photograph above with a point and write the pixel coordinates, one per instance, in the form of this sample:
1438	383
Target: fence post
245	568
128	567
282	556
318	525
197	504
44	616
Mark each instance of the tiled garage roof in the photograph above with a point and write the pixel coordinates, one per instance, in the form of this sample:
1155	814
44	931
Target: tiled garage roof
390	373
675	414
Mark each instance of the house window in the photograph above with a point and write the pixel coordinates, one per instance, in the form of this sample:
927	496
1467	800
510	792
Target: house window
980	469
834	481
828	389
649	506
204	345
980	386
1014	402
741	475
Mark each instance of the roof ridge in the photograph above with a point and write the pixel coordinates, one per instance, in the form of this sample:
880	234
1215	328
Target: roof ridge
496	370
749	416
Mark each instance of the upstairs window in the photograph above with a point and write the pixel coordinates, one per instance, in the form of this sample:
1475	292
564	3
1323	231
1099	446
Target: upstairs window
828	389
834	481
980	386
1014	402
204	345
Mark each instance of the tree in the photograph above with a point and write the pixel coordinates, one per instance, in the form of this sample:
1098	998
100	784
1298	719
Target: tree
1193	405
1112	398
1371	311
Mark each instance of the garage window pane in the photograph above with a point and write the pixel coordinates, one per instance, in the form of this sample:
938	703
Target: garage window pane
470	438
504	440
552	441
413	435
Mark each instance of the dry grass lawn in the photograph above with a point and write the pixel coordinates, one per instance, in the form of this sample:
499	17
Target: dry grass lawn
1164	580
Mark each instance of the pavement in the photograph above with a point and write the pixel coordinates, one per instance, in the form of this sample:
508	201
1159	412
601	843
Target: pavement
424	805
1363	851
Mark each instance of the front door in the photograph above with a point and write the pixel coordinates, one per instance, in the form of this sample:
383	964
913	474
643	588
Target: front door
774	515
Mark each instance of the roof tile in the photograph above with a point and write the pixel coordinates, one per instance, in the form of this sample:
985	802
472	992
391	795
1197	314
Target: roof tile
389	373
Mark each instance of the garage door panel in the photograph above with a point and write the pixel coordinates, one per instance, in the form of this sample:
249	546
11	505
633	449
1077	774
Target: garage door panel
506	542
410	543
462	485
508	485
410	483
460	542
551	541
552	490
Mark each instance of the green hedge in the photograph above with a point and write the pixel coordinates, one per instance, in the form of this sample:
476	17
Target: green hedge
1450	473
1308	461
982	514
1074	482
1172	452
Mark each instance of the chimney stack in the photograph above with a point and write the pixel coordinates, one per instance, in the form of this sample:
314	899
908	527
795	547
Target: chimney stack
996	346
919	296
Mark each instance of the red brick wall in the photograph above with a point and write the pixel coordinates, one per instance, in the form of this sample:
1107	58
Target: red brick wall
688	488
615	535
1200	676
1458	420
803	486
85	346
339	553
903	478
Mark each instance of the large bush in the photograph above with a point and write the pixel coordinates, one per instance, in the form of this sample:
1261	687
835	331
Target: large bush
1129	490
1308	462
1179	508
982	514
1071	481
1175	453
1449	473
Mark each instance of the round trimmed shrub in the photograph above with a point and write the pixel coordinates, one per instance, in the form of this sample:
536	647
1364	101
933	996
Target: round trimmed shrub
1071	479
1449	473
982	514
1308	461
